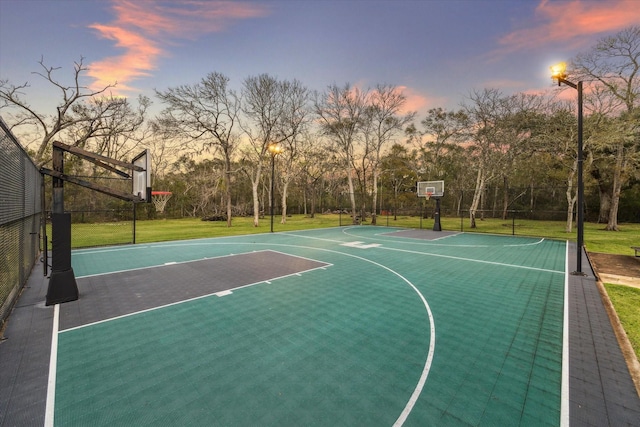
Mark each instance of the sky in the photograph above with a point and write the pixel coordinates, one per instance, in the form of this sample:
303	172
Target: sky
436	51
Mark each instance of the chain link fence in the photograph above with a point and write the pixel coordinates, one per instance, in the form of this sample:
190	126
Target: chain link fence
93	228
20	211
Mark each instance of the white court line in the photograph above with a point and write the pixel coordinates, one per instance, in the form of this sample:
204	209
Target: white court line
440	255
474	260
170	263
190	242
425	242
217	293
564	394
53	362
99	251
427	365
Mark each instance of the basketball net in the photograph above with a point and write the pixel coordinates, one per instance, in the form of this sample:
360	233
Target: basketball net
428	195
160	199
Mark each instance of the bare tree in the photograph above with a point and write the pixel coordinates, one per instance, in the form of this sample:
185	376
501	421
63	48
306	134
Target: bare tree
164	152
89	113
205	113
384	110
116	132
296	117
312	165
613	66
499	131
340	111
441	131
276	113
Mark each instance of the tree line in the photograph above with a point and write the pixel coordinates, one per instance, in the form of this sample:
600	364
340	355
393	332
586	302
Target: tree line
212	145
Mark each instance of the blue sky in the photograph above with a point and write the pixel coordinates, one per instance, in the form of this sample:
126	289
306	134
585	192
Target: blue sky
437	51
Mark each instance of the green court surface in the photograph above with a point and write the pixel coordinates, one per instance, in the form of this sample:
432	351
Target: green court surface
387	326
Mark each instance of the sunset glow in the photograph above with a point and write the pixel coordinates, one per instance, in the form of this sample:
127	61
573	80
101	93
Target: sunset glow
436	52
571	21
141	27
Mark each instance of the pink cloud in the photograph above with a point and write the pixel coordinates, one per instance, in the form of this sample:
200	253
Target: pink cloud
414	100
141	27
570	22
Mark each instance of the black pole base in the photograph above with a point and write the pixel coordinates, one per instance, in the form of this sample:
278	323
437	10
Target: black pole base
436	224
62	287
62	283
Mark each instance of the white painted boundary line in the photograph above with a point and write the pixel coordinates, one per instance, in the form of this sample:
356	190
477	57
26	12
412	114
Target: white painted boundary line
340	242
391	235
500	264
170	263
53	362
165	264
427	365
218	293
564	393
435	242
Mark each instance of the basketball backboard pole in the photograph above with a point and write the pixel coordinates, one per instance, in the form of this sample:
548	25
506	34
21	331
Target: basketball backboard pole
432	190
436	216
62	282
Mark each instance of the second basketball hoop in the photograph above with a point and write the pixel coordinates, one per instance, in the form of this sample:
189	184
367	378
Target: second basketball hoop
435	190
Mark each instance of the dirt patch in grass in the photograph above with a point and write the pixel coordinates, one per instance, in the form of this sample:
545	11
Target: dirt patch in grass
617	269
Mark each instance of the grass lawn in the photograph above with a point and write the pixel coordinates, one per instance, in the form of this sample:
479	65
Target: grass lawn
595	237
626	301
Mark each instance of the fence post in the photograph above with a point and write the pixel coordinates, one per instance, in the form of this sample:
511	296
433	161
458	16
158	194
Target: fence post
134	222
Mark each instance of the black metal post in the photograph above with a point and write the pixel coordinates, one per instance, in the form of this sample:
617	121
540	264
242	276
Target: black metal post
273	169
580	202
58	184
134	222
436	216
62	282
580	184
461	211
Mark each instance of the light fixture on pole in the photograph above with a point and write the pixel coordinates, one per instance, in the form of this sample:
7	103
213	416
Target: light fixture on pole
558	72
274	150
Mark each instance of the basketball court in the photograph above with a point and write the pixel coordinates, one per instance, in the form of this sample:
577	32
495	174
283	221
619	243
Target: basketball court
341	326
355	326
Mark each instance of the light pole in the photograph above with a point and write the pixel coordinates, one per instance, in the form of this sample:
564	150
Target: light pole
274	150
558	72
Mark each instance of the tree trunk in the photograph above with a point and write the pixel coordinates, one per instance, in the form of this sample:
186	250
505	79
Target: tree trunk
532	200
612	224
375	197
227	187
255	181
604	191
313	201
505	198
228	197
285	186
352	196
571	198
476	197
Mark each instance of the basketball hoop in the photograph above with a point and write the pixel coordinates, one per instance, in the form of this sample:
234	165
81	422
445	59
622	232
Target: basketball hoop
429	194
160	199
